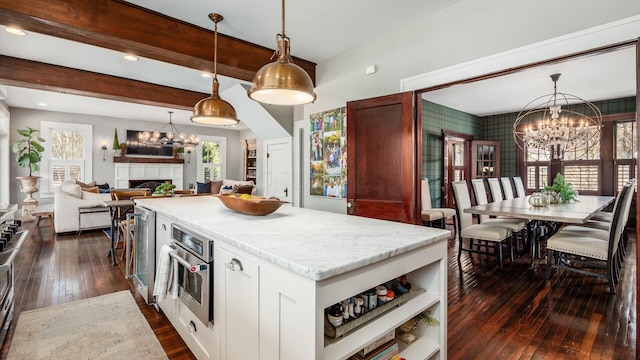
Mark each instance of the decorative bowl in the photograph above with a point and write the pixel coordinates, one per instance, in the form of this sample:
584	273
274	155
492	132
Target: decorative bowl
255	205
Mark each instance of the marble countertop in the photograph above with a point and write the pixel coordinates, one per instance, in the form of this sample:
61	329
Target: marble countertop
312	243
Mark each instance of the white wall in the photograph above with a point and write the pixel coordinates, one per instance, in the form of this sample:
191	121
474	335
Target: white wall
103	128
5	154
468	30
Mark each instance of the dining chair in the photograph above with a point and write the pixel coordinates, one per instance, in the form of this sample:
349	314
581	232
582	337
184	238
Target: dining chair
517	181
507	188
481	237
429	214
121	235
582	252
495	189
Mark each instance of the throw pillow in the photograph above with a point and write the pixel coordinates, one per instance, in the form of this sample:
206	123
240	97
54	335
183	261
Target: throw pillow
71	188
94	190
216	186
83	185
104	186
243	189
204	188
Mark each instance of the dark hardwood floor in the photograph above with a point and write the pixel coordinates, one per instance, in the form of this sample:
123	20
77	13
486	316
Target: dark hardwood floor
57	269
516	314
509	314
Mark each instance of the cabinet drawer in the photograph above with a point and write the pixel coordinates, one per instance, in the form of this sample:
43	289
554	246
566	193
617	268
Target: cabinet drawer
201	340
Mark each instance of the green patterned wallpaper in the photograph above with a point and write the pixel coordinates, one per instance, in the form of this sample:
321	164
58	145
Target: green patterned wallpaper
436	118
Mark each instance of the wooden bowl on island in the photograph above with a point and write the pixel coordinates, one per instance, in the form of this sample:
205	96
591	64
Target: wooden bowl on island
253	205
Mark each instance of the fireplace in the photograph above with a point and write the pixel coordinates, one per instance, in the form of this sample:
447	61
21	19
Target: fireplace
151	184
129	175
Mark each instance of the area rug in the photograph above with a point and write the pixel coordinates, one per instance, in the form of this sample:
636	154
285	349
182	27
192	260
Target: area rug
105	327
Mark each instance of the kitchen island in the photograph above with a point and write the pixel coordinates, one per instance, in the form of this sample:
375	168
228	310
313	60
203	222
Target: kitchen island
296	263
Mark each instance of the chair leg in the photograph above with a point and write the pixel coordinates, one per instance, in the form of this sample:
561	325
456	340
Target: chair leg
460	242
550	254
499	246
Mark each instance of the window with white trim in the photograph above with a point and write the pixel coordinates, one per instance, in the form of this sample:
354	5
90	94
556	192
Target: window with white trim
211	158
67	154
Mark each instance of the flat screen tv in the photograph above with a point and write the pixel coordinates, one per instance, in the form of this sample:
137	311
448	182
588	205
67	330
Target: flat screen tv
135	148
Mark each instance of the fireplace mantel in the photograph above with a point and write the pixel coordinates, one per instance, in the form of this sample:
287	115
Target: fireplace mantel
145	160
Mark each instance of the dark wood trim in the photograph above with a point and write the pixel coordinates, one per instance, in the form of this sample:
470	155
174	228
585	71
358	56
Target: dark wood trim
418	154
637	192
41	76
618	117
141	160
120	26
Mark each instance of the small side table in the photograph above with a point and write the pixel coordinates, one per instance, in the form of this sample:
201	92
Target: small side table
44	210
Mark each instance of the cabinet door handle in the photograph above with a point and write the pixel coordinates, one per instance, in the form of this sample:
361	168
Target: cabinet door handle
192	327
163	227
234	265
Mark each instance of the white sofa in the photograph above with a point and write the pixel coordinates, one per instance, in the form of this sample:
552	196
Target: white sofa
67	202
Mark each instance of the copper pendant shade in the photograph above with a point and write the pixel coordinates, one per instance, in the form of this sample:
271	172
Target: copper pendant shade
282	82
213	110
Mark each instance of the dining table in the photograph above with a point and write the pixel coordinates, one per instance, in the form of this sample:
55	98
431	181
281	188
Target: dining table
551	216
118	210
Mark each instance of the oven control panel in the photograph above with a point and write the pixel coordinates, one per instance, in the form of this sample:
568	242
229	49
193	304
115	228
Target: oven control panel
196	244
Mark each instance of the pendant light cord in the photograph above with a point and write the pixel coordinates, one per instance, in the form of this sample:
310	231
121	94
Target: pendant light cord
215	50
283	34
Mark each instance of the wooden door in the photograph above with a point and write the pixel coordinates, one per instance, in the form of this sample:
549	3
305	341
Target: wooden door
381	139
486	159
455	163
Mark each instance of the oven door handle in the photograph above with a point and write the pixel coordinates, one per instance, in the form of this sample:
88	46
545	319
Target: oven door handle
194	268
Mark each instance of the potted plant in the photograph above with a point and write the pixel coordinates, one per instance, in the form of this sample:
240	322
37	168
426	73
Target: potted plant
566	193
165	189
29	154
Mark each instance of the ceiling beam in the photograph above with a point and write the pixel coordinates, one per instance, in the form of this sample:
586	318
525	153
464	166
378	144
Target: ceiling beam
130	29
41	76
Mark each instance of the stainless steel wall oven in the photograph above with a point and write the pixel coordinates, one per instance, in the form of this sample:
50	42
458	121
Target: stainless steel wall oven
194	254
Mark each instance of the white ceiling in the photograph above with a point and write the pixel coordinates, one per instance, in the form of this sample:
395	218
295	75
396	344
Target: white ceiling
318	30
608	75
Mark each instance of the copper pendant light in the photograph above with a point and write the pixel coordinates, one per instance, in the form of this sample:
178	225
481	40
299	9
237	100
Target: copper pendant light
282	82
213	110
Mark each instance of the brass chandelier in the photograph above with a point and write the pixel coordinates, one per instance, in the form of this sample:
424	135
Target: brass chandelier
214	110
282	82
172	137
545	125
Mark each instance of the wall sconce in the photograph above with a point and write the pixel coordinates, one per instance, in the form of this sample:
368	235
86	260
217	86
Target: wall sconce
188	155
104	152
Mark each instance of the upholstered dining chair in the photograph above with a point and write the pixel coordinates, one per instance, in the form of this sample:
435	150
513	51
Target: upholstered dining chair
480	237
507	188
583	251
430	214
513	224
495	189
517	181
601	229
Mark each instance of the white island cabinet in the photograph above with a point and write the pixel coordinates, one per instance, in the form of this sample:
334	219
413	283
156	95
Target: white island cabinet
275	275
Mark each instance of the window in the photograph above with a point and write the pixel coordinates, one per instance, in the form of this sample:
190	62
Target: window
211	157
626	152
537	166
67	154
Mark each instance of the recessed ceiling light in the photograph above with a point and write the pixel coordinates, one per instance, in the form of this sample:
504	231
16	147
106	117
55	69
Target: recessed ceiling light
130	58
42	104
15	31
206	75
